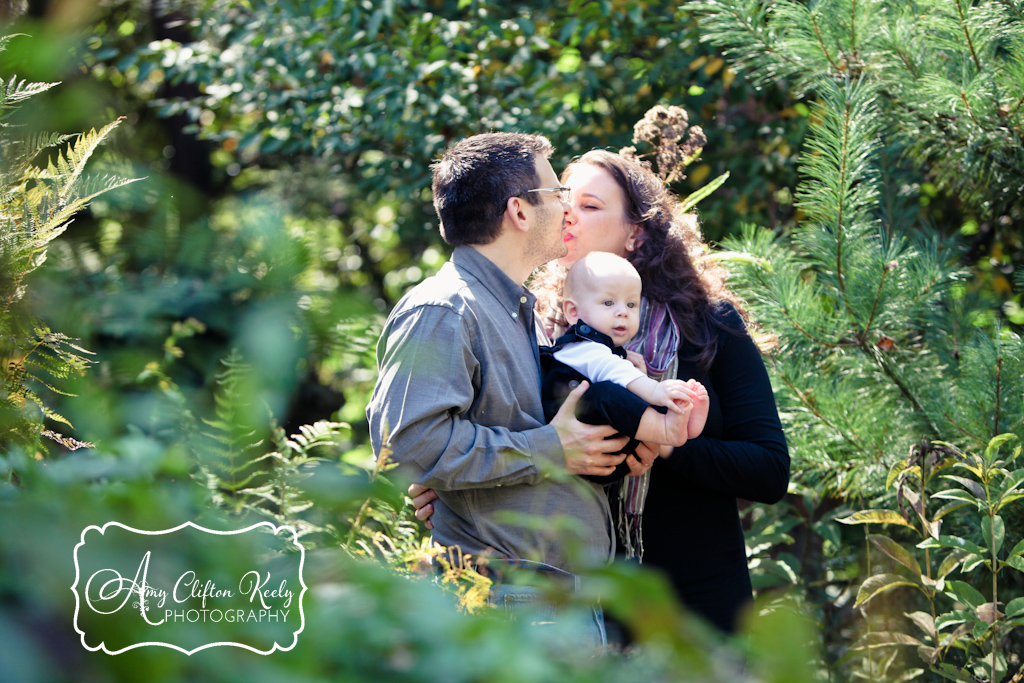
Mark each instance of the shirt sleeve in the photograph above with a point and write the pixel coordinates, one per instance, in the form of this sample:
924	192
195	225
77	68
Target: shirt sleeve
597	363
429	377
751	460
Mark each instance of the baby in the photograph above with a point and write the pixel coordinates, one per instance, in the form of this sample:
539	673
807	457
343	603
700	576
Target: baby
601	302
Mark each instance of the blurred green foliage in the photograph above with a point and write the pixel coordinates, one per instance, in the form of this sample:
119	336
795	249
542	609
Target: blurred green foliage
286	149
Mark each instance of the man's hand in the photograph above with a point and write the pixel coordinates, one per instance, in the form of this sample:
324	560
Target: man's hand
588	450
421	497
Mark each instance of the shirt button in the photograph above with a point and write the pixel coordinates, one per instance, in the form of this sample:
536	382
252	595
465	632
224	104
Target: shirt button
515	315
584	329
522	300
573	384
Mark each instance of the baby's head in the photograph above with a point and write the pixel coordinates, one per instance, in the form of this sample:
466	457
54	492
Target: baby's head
603	290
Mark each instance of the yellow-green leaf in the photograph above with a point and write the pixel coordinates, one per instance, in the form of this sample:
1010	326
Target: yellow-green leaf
880	583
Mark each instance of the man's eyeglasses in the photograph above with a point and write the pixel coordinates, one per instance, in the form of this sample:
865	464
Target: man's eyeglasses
563	192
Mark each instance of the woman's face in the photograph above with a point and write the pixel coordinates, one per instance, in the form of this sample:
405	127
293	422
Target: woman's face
597	221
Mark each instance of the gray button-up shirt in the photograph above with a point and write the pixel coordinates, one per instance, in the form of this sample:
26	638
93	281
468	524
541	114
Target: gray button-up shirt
458	402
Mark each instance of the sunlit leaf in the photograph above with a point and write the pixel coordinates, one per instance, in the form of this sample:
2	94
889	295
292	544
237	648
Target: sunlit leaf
896	552
993	445
876	517
1015	607
965	593
880	583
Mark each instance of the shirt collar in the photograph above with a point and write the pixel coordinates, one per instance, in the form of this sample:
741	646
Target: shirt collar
510	294
581	331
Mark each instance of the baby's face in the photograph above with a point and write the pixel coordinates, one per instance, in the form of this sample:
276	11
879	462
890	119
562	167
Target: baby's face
611	304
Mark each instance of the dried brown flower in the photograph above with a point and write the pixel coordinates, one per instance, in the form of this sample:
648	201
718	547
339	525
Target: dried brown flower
664	128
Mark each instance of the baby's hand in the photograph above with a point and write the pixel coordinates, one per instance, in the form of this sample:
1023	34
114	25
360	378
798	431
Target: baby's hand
674	394
637	360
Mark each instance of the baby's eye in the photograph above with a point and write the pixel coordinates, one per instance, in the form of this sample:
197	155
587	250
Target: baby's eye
631	304
609	302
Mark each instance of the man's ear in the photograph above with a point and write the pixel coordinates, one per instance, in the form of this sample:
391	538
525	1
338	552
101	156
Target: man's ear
571	311
515	213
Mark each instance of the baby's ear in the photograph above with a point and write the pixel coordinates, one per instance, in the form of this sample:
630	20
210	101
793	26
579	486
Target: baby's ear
570	311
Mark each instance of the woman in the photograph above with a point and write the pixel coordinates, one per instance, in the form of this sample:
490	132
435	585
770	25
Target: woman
690	519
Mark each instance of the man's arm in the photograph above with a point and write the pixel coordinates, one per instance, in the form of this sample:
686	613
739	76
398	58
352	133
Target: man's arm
429	378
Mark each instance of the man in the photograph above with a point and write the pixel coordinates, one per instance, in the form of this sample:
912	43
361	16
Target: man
458	398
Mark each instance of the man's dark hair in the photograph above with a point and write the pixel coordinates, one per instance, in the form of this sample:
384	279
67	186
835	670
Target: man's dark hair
475	179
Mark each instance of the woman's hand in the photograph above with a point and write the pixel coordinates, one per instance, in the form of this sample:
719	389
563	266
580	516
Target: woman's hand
645	457
421	497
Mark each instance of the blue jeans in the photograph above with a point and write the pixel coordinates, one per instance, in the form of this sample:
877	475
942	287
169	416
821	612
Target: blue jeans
581	630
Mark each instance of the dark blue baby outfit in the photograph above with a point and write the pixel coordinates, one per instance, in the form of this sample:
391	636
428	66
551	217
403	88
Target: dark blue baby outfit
604	403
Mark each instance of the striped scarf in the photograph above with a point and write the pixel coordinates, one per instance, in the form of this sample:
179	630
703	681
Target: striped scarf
657	341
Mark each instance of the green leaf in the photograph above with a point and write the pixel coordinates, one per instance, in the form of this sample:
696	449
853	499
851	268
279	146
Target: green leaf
994	531
895	471
896	552
965	593
924	621
694	197
1018	549
876	517
880	583
951	542
950	562
951	618
877	639
1003	502
950	507
569	61
1015	607
957	494
993	445
1017	562
974	487
953	673
972	561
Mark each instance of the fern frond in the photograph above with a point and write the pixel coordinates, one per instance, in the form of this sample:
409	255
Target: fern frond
15	91
71	164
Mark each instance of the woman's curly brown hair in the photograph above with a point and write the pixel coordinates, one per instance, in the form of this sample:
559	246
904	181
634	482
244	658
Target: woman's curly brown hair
670	256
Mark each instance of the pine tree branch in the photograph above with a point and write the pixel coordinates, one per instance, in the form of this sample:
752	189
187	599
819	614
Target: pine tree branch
853	25
876	355
999	385
963	430
970	111
874	306
843	171
967	35
808	402
799	328
821	43
1016	107
1013	8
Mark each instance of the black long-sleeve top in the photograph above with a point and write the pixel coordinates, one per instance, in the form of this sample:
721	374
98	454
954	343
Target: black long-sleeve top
691	523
